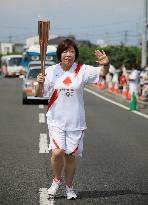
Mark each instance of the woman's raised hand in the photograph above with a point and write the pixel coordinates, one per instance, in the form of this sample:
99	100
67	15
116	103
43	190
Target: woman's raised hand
102	58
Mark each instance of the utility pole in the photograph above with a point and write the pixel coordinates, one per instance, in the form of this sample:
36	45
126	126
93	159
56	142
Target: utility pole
144	38
106	37
10	38
125	37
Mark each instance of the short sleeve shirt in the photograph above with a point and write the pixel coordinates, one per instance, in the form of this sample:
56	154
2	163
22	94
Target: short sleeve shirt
134	75
67	111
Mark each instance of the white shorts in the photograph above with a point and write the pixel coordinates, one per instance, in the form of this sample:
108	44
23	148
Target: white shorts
69	141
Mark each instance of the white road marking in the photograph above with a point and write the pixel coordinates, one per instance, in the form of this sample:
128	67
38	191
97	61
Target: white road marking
44	197
43	143
139	113
41	118
41	106
115	103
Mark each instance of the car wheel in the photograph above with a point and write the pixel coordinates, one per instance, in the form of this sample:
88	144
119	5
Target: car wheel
3	75
24	101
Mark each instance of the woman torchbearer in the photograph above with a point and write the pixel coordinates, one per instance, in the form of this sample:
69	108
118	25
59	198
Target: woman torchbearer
66	115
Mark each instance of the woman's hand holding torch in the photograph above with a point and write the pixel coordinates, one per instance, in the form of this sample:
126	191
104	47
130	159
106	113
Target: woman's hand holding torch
40	86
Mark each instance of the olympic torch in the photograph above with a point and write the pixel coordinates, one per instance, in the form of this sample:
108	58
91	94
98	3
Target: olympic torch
43	32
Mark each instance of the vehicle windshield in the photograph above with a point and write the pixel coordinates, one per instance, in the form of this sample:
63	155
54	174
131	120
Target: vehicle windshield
15	61
47	64
34	65
33	73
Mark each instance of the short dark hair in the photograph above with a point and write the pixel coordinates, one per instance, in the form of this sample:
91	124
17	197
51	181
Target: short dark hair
64	45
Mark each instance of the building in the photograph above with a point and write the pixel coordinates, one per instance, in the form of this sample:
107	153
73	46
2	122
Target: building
6	48
57	40
34	40
18	47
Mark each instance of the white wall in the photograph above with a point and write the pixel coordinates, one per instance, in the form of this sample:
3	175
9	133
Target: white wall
35	40
6	48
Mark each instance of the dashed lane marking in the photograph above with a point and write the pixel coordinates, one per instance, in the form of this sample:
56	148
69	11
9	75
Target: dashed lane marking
44	197
41	118
43	143
115	103
41	106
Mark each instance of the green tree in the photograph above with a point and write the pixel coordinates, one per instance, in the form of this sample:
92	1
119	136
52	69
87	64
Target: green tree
118	55
87	55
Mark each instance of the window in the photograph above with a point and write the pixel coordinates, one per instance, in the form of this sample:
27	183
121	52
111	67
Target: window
15	61
33	73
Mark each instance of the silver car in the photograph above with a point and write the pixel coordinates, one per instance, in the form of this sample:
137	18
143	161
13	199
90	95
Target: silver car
29	86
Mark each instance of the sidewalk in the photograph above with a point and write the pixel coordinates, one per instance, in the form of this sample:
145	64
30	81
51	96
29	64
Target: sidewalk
142	106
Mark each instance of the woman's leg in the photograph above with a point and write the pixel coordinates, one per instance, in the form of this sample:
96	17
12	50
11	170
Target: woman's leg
57	162
69	169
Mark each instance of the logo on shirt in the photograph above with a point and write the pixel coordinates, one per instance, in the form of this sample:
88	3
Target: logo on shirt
67	81
67	92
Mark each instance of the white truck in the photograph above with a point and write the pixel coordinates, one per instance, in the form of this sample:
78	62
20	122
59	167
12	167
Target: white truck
33	54
11	65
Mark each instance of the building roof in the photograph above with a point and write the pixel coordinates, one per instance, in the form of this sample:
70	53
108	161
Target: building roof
57	40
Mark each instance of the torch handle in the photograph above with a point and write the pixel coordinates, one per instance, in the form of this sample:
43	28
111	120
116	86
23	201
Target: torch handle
43	29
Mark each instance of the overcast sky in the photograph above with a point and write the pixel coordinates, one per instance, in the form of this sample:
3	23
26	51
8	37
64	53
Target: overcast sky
110	20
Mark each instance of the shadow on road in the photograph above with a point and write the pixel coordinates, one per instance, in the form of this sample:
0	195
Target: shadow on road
97	194
36	102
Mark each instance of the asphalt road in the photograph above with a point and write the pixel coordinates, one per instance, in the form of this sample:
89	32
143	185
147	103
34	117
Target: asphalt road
113	170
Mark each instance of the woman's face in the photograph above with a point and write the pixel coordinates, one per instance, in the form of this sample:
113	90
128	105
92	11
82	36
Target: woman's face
68	57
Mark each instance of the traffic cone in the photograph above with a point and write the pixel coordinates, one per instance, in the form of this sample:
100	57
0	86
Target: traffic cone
97	84
116	89
124	91
133	102
102	85
129	96
110	87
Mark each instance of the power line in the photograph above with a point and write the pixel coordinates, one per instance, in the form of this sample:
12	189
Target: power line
74	27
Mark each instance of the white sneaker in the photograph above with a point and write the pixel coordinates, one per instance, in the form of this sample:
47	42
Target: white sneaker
70	193
54	188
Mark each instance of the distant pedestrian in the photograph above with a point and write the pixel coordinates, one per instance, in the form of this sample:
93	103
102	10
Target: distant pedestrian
133	79
122	76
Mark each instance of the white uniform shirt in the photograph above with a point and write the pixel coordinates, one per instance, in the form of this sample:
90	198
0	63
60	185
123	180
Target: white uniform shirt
133	81
67	111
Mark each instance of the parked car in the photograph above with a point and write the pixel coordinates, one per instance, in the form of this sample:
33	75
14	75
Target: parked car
29	85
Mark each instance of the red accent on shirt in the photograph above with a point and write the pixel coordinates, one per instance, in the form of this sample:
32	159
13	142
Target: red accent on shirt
53	98
77	69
